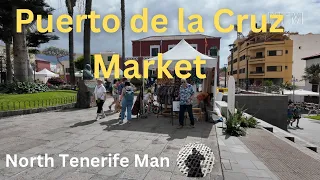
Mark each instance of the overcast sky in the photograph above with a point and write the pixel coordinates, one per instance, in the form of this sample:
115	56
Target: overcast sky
308	10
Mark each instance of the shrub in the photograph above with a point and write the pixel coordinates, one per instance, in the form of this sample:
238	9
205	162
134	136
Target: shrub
56	81
23	88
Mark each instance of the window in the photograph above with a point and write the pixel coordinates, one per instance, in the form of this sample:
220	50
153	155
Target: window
171	46
286	67
109	58
299	47
195	46
274	68
235	72
259	55
287	51
259	69
213	51
67	70
242	57
235	60
314	88
275	53
154	50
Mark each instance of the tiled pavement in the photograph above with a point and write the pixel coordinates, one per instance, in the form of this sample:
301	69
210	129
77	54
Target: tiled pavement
75	132
261	155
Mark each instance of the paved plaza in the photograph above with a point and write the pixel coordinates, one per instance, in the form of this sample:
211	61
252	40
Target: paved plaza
75	132
258	156
309	130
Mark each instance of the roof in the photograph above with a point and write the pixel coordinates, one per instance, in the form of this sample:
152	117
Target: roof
176	37
51	59
311	57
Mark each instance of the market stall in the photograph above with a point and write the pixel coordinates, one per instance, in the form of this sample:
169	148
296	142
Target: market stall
169	88
299	94
44	75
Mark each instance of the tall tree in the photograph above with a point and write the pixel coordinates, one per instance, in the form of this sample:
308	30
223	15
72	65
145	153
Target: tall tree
312	74
87	32
58	53
123	24
22	67
70	5
6	36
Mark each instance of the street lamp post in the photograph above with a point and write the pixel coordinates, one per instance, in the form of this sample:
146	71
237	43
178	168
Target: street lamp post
293	87
247	74
225	75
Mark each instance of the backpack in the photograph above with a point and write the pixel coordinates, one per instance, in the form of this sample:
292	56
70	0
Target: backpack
129	95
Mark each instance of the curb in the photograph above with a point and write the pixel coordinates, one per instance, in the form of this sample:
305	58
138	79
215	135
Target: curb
37	110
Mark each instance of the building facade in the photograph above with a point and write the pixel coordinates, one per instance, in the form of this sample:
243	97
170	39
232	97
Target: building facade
151	46
42	64
310	60
303	46
267	56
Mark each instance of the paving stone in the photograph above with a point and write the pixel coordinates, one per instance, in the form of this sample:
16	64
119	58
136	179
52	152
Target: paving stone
94	151
158	175
256	173
85	145
138	173
246	164
235	176
56	173
112	171
77	176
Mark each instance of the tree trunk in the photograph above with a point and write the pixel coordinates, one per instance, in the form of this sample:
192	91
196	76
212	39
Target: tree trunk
71	46
8	63
87	31
20	51
123	23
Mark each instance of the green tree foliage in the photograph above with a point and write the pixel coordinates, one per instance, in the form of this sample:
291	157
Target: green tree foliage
79	63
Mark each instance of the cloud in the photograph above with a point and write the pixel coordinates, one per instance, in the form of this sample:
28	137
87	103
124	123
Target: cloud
103	41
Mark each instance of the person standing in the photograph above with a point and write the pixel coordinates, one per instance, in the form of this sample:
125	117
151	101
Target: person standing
120	88
100	94
296	115
126	100
186	95
115	93
290	113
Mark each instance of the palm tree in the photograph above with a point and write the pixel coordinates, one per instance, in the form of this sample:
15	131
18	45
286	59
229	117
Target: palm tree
70	5
87	31
312	74
123	23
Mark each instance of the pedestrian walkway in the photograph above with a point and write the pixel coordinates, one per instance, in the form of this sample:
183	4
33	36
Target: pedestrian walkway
75	132
308	130
261	155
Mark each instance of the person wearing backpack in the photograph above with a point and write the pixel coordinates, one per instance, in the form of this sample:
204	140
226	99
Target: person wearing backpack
126	100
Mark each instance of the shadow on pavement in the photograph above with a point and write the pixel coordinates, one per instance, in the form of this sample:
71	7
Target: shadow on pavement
161	125
84	123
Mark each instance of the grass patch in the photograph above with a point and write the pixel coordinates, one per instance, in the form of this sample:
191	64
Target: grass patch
36	100
314	117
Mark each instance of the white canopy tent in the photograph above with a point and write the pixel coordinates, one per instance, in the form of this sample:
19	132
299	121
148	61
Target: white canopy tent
299	94
184	51
44	75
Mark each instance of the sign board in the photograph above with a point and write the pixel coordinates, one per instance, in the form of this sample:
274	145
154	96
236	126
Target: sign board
176	106
231	95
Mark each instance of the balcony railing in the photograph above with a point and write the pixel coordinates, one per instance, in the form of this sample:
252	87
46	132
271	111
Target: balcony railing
257	57
256	72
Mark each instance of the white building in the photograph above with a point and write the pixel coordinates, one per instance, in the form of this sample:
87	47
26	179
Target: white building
303	46
107	57
310	60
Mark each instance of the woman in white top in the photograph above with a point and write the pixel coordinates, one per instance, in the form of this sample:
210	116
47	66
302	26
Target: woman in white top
100	93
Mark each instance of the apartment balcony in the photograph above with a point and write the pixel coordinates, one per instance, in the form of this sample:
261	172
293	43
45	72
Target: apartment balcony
257	60
256	73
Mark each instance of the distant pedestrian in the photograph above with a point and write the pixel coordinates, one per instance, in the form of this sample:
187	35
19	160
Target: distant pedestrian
100	93
115	94
186	96
126	100
290	113
296	115
120	88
